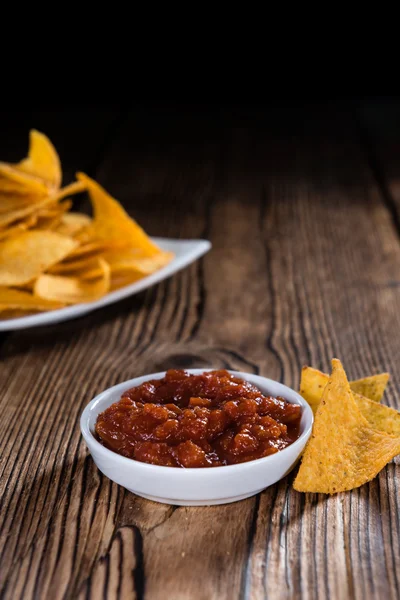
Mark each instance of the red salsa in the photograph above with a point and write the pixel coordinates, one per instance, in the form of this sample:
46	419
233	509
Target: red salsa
206	420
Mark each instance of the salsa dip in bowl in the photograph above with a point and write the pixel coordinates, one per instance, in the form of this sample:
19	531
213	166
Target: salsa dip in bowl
197	437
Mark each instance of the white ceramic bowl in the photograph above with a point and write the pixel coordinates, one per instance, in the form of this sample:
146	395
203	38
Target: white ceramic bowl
195	487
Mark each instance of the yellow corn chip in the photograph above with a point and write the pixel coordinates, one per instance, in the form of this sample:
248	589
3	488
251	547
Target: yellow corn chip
17	227
15	180
69	190
46	223
313	383
111	223
15	313
73	290
121	262
16	215
73	222
379	416
18	300
344	451
91	249
54	210
372	387
120	280
75	268
58	256
42	160
26	256
11	202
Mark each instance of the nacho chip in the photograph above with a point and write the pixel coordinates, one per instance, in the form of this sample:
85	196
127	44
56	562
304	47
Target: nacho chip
112	223
73	222
17	300
26	256
77	267
69	190
42	160
7	218
47	223
11	202
91	249
121	262
379	416
344	451
372	387
16	313
120	280
55	210
313	383
123	272
59	254
14	180
73	290
17	227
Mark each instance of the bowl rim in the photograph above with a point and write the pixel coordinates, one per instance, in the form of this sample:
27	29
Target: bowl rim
85	423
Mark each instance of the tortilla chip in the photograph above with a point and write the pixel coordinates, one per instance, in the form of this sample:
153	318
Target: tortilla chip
372	387
73	222
15	180
28	255
7	218
69	190
112	223
379	416
121	262
120	280
313	383
18	227
42	160
47	223
16	313
55	210
10	202
17	300
77	267
91	249
344	451
73	290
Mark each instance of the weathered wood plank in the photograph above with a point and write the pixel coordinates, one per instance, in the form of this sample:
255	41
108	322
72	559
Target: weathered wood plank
304	253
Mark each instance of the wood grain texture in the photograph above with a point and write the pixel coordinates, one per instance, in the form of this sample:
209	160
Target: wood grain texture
305	251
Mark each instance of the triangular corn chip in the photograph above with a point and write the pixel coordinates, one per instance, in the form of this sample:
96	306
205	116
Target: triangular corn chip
26	256
7	218
10	202
372	387
42	160
379	416
91	249
112	223
313	382
344	451
73	290
18	300
18	227
73	222
120	280
73	268
15	180
69	190
127	261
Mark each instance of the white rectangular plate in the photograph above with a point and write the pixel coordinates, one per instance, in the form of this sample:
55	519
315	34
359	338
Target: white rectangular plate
186	252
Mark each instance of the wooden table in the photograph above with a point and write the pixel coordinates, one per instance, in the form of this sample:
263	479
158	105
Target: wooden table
304	217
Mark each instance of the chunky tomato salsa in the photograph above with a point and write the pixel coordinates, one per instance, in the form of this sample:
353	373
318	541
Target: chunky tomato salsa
206	420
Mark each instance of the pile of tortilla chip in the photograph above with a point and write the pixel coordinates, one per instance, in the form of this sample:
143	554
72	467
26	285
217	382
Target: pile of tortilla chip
353	437
52	257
